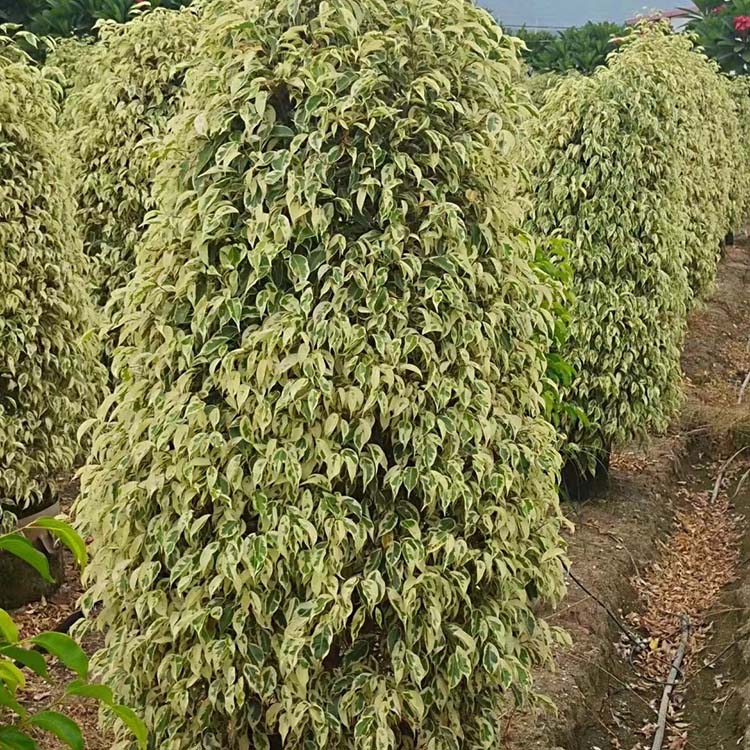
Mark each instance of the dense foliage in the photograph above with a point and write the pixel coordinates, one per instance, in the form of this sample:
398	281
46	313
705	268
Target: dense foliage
539	85
323	496
116	119
712	140
722	28
18	723
72	58
76	17
49	374
740	91
581	48
610	176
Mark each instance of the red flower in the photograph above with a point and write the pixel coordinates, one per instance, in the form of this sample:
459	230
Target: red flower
742	23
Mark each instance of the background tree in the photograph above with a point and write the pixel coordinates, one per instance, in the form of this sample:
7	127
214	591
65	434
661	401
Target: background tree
582	48
75	17
722	28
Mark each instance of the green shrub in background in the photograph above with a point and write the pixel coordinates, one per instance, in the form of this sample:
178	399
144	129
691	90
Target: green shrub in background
115	119
610	178
324	493
582	48
78	17
48	375
740	91
722	29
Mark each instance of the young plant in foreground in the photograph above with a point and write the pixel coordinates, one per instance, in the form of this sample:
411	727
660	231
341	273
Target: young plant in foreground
19	655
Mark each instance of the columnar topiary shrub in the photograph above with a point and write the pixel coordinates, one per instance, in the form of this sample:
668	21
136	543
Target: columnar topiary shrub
609	177
740	90
711	142
115	121
48	370
323	495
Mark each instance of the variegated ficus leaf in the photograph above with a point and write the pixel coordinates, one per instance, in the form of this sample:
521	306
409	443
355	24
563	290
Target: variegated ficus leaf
323	496
114	118
740	91
70	60
48	370
635	170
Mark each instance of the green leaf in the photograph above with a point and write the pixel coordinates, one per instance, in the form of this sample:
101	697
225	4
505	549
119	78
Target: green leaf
66	650
321	644
299	267
101	693
31	659
12	739
8	629
67	535
364	727
61	726
491	658
19	546
8	699
11	675
133	723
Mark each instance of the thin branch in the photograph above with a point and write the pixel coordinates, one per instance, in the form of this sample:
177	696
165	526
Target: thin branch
743	389
720	478
666	698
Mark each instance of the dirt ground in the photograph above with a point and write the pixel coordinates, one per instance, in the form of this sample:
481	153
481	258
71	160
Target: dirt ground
655	542
665	544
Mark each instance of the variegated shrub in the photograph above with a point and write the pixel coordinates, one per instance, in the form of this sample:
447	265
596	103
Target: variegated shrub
740	181
711	140
115	117
72	58
610	178
48	370
324	493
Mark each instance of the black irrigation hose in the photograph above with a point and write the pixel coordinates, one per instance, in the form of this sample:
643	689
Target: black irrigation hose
639	644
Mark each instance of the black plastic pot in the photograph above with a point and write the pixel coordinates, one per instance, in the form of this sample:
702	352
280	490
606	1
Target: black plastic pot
578	486
20	584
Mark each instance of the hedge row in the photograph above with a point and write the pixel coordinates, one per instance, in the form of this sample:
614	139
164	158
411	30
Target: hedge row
48	370
323	492
637	169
